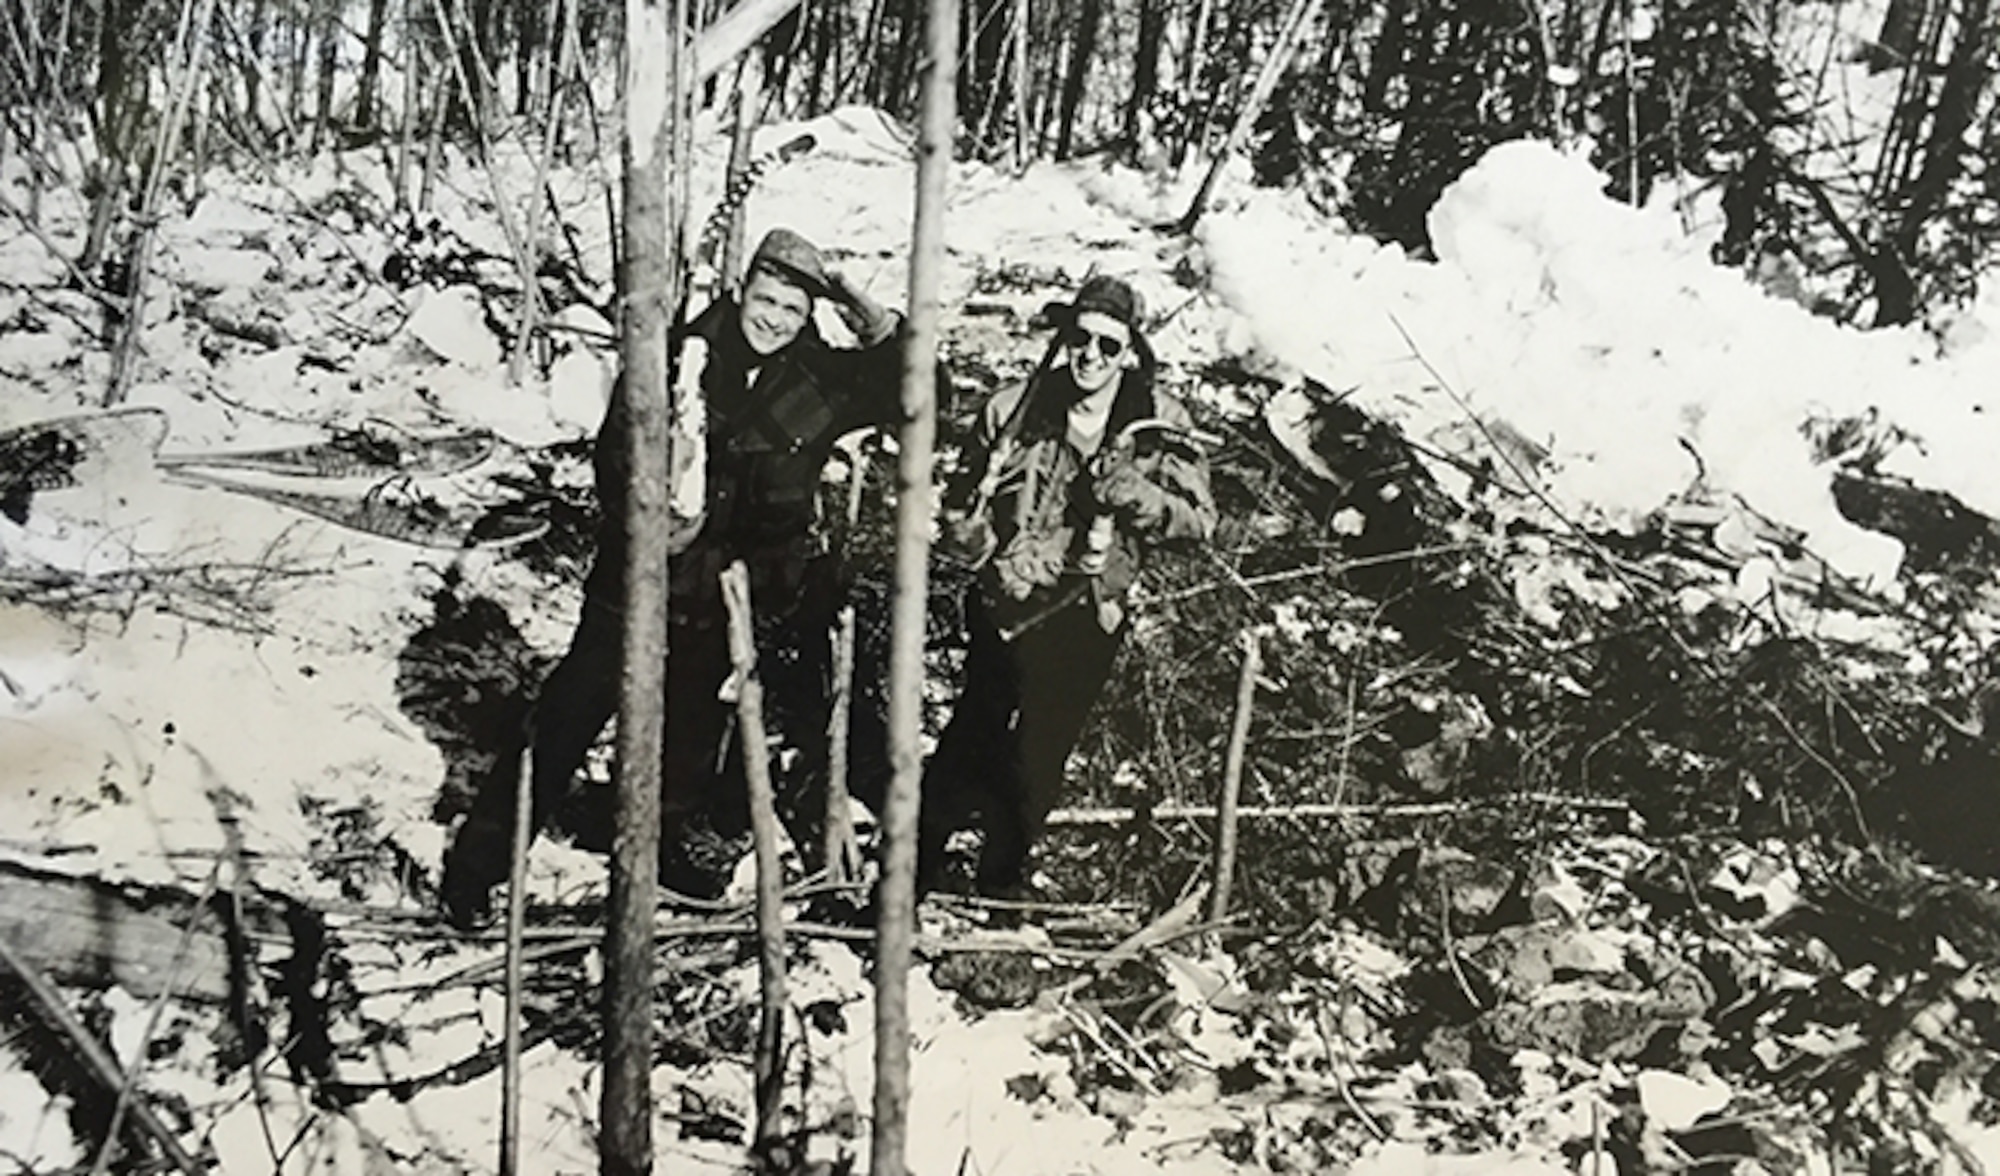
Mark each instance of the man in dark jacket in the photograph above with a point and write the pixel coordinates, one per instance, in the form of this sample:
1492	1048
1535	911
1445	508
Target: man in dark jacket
1077	475
776	397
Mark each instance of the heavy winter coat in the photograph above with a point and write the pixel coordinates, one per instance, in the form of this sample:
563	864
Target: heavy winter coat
772	422
1032	539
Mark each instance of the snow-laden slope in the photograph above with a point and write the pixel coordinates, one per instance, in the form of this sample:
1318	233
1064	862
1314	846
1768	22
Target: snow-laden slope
243	693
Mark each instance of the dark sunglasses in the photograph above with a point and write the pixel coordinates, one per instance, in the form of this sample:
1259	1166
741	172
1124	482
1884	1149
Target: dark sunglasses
1108	347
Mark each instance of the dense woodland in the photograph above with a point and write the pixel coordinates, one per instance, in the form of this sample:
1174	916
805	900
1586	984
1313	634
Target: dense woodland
1379	106
1464	701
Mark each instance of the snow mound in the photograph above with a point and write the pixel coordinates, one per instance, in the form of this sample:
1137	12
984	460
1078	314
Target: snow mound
1603	333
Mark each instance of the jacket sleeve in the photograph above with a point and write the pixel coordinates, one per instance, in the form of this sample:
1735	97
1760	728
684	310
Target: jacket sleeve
1160	491
978	455
609	463
968	533
870	378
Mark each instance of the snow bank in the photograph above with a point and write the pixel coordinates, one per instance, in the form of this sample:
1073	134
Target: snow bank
1603	333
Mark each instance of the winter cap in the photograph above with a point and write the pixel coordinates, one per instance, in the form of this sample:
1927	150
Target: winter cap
1105	295
791	256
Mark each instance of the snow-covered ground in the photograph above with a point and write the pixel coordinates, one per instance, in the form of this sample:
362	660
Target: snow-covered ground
239	695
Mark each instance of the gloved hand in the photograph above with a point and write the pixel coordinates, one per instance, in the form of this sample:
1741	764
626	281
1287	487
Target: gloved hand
867	318
1124	490
967	536
1031	562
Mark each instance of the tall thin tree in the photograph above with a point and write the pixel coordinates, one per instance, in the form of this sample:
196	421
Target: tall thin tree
1145	72
366	100
896	926
1267	81
326	27
1084	51
648	275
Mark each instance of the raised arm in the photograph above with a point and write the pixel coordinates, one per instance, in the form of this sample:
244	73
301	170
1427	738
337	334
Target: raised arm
870	376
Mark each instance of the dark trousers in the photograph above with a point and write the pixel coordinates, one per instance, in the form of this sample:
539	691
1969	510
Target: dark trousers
702	768
1003	752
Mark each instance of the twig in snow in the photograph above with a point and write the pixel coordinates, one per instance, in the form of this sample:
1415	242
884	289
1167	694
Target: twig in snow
1083	1022
1137	1047
1331	1033
1232	776
1451	948
1176	923
209	593
1327	569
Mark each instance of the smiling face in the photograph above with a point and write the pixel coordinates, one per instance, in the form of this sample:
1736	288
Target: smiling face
1100	349
774	312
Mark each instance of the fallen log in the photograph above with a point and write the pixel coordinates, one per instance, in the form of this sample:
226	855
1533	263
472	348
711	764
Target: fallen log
95	1056
92	933
734	32
1083	818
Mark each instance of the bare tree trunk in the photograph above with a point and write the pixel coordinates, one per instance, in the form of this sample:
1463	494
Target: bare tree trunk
298	49
517	924
365	102
201	120
648	273
530	35
406	133
483	44
1386	61
531	233
252	77
983	87
193	44
1267	81
873	57
903	56
1145	72
1088	19
1896	43
897	916
1943	156
1055	56
837	845
1197	48
116	116
735	32
439	113
1020	66
825	26
327	25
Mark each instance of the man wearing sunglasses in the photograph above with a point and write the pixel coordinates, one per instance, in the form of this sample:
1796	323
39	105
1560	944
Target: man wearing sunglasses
776	397
1071	479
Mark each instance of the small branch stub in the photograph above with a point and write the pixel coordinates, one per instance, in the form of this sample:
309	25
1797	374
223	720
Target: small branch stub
1232	776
